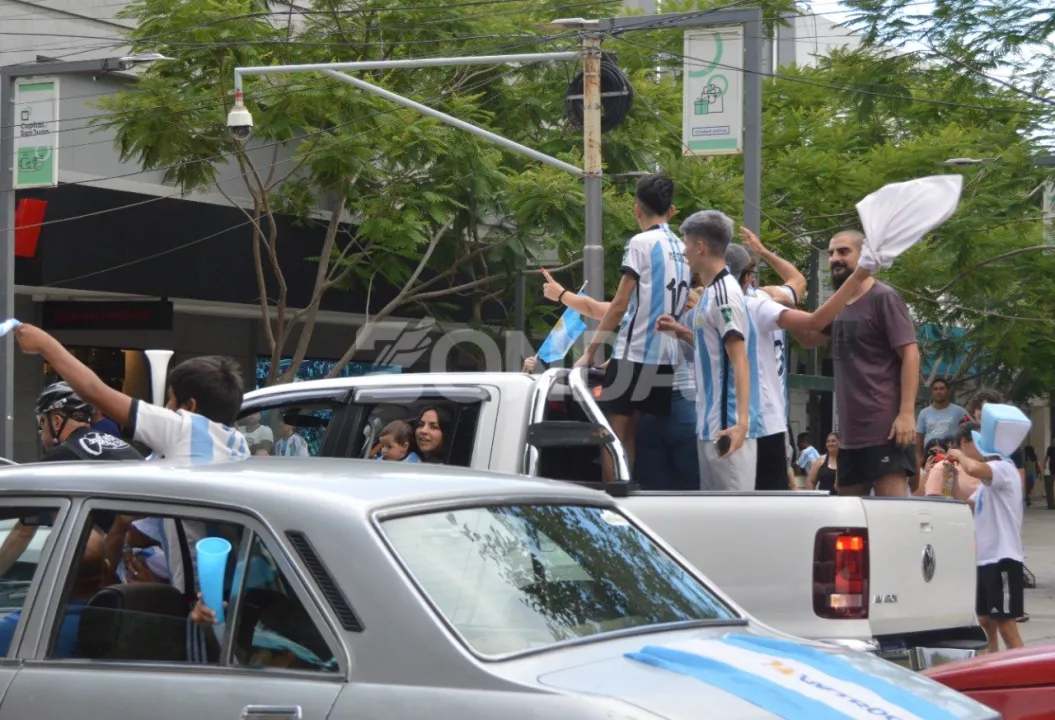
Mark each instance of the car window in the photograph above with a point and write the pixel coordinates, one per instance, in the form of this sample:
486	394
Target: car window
515	578
458	448
291	430
581	463
119	600
23	532
273	629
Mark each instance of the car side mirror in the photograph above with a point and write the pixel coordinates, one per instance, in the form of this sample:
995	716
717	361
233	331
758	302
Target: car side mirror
568	433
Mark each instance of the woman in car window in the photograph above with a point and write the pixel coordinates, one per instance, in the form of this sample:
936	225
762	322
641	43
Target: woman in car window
431	433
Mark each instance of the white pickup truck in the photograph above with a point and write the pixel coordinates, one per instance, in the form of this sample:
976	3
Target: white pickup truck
883	575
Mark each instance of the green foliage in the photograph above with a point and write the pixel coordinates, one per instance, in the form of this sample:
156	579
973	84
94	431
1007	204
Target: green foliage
832	134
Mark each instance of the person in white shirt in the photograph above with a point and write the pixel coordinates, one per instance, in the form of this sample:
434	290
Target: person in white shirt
726	357
196	425
770	425
254	432
639	374
998	511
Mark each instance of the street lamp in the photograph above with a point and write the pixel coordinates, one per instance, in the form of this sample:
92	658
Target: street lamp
9	75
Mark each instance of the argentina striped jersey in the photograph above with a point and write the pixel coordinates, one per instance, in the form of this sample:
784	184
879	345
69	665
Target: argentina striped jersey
182	435
721	314
656	260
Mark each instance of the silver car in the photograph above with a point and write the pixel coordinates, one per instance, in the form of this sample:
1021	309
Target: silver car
385	591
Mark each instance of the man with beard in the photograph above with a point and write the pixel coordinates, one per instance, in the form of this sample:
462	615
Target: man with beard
876	361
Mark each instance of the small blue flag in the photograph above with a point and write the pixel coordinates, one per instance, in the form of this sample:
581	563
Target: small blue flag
568	329
8	325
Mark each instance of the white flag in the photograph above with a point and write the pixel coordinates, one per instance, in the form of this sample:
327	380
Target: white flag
895	217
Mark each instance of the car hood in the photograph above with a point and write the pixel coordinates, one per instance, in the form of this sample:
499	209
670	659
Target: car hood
1027	667
745	673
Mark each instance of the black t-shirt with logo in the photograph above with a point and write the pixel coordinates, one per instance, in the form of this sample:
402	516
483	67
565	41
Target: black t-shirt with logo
88	444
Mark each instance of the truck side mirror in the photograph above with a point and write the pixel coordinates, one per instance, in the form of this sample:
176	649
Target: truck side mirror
568	433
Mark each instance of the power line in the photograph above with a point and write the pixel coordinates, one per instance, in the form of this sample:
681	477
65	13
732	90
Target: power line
268	167
279	91
850	90
249	220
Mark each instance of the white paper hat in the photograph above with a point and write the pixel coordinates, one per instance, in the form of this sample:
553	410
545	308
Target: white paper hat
1004	427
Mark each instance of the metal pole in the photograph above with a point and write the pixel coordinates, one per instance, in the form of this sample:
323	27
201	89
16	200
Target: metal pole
520	307
7	258
395	64
460	124
753	74
593	253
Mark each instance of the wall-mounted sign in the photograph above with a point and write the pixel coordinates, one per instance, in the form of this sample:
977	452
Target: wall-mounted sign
712	91
108	315
36	132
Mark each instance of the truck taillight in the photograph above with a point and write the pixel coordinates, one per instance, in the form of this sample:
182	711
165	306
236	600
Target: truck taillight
840	573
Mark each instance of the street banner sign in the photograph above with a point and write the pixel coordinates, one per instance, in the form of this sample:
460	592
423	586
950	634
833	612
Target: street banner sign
36	133
713	91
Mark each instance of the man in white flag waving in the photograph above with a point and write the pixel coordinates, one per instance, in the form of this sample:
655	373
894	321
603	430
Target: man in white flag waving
874	351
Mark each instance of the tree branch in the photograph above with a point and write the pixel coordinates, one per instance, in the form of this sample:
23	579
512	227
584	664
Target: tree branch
419	296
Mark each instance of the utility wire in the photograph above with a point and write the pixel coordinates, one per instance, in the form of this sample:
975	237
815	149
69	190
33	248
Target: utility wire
248	221
813	83
266	145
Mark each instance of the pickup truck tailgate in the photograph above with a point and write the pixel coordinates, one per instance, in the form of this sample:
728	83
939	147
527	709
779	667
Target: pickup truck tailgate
922	564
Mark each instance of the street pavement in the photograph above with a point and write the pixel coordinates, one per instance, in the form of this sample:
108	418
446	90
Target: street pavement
1038	537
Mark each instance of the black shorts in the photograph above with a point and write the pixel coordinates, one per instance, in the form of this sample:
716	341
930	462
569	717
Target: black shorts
771	467
868	464
630	386
1000	591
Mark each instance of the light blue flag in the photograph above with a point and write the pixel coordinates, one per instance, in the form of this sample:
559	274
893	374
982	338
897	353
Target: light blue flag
568	329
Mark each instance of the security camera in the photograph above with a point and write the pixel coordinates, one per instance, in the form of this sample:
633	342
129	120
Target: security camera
239	120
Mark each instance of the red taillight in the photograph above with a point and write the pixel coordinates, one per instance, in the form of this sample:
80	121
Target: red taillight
840	573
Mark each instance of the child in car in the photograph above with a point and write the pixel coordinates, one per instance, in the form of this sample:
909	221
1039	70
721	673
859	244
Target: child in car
395	443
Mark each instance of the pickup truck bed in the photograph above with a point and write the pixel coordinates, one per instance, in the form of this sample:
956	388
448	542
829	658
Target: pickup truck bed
870	573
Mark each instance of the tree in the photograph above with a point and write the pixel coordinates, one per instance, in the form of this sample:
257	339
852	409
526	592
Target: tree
426	210
834	133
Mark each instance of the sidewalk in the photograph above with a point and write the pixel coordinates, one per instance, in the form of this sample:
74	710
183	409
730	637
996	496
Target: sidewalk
1038	537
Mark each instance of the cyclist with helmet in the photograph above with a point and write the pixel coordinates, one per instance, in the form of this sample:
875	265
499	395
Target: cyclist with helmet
65	423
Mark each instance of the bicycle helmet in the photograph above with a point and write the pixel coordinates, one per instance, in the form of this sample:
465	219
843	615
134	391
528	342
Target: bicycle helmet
59	397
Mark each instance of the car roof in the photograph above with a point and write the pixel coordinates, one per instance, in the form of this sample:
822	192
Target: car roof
281	483
396	380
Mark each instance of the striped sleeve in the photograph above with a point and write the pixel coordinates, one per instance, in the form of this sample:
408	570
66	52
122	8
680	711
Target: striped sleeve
728	312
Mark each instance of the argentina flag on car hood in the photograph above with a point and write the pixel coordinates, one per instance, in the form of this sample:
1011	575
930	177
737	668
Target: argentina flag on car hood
746	676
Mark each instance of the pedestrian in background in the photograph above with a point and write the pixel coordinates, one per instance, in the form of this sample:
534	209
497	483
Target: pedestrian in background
938	420
807	454
824	474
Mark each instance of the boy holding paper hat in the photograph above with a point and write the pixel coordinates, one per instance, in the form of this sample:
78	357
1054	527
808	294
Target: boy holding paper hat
997	519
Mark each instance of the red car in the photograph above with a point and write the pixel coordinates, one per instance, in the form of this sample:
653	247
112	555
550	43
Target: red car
1019	684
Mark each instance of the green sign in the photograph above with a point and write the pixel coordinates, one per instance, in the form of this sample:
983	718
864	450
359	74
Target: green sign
36	133
712	105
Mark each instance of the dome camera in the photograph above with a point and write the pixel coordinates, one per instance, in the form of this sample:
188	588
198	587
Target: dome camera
239	120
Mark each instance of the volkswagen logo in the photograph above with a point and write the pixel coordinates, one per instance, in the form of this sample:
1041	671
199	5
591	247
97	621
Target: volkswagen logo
929	563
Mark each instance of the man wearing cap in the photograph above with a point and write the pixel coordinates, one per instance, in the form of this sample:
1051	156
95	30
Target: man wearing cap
997	520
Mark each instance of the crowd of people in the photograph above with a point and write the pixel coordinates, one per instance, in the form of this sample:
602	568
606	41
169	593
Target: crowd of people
699	344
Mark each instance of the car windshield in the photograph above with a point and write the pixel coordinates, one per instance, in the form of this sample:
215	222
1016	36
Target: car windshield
522	577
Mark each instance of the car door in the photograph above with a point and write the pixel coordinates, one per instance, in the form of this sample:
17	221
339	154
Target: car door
29	534
137	654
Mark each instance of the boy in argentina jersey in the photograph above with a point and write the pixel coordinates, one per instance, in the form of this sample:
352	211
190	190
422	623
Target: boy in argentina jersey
729	402
639	375
769	427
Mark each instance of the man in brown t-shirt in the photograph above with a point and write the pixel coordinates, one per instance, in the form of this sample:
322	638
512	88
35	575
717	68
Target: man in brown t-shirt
876	362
